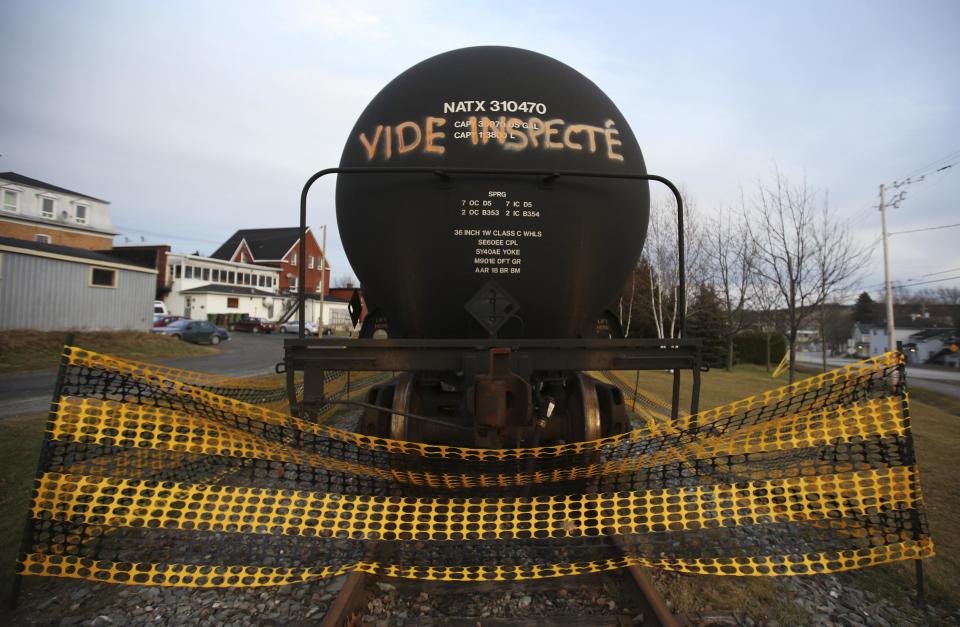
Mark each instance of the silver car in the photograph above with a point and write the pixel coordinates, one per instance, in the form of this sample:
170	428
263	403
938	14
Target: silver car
293	326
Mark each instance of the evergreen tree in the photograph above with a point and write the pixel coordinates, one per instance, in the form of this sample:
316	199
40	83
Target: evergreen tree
706	324
865	310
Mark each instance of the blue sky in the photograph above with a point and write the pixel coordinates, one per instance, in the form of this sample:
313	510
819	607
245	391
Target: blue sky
197	118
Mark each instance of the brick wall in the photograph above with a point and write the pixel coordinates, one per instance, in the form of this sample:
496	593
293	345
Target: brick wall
59	237
313	275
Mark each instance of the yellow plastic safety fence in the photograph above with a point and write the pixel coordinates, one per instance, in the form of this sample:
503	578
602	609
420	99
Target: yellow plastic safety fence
139	428
653	413
157	476
113	502
241	576
784	363
820	391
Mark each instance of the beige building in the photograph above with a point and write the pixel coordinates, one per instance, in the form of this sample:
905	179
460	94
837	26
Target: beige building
39	212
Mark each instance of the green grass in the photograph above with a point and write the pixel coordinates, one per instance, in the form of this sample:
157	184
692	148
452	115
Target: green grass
20	440
22	351
936	428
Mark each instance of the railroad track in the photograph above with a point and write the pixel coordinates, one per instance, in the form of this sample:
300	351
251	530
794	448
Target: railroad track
617	598
637	599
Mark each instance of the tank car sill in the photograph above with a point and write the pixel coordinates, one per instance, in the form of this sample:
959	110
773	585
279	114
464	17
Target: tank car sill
470	358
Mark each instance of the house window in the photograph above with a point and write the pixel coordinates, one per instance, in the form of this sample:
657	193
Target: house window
176	271
310	261
188	272
81	216
233	303
206	274
247	280
40	237
293	259
11	200
243	257
293	284
103	277
231	277
215	276
46	207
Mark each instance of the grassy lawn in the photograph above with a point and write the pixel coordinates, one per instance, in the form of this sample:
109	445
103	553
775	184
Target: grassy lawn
21	351
20	440
936	426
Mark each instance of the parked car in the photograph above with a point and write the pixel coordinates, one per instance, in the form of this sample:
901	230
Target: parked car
293	326
165	320
197	331
159	310
253	325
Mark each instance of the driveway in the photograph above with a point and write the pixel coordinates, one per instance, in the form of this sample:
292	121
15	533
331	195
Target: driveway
937	380
246	354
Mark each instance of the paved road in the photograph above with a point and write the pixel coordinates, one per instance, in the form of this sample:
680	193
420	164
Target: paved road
943	381
244	355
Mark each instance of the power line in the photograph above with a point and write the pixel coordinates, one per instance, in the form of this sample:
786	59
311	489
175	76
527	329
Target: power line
914	282
903	282
949	278
941	272
171	235
864	213
932	182
934	165
929	228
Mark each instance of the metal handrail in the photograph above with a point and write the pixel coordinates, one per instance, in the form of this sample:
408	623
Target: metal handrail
446	173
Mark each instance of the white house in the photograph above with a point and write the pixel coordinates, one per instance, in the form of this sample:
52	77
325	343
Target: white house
919	345
201	287
923	345
36	211
336	312
877	339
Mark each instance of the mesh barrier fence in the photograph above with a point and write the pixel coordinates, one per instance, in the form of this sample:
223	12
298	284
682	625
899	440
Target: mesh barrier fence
157	476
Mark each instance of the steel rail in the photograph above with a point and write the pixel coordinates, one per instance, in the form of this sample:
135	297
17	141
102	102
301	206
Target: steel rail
351	598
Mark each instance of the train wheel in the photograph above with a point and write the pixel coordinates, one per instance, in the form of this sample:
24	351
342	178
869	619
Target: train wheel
594	410
376	422
403	400
589	408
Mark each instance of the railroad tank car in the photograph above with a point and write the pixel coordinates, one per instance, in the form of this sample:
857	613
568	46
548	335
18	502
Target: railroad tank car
492	202
557	256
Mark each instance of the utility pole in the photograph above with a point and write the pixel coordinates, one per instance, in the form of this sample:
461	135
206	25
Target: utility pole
323	270
891	343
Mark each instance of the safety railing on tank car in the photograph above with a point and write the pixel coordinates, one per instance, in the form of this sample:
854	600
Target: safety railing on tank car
547	176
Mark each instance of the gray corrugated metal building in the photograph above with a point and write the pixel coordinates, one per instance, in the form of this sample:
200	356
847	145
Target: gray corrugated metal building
49	288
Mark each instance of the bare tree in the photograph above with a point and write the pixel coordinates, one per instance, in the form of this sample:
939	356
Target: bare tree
729	253
795	251
660	257
344	281
768	307
630	300
838	261
949	295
